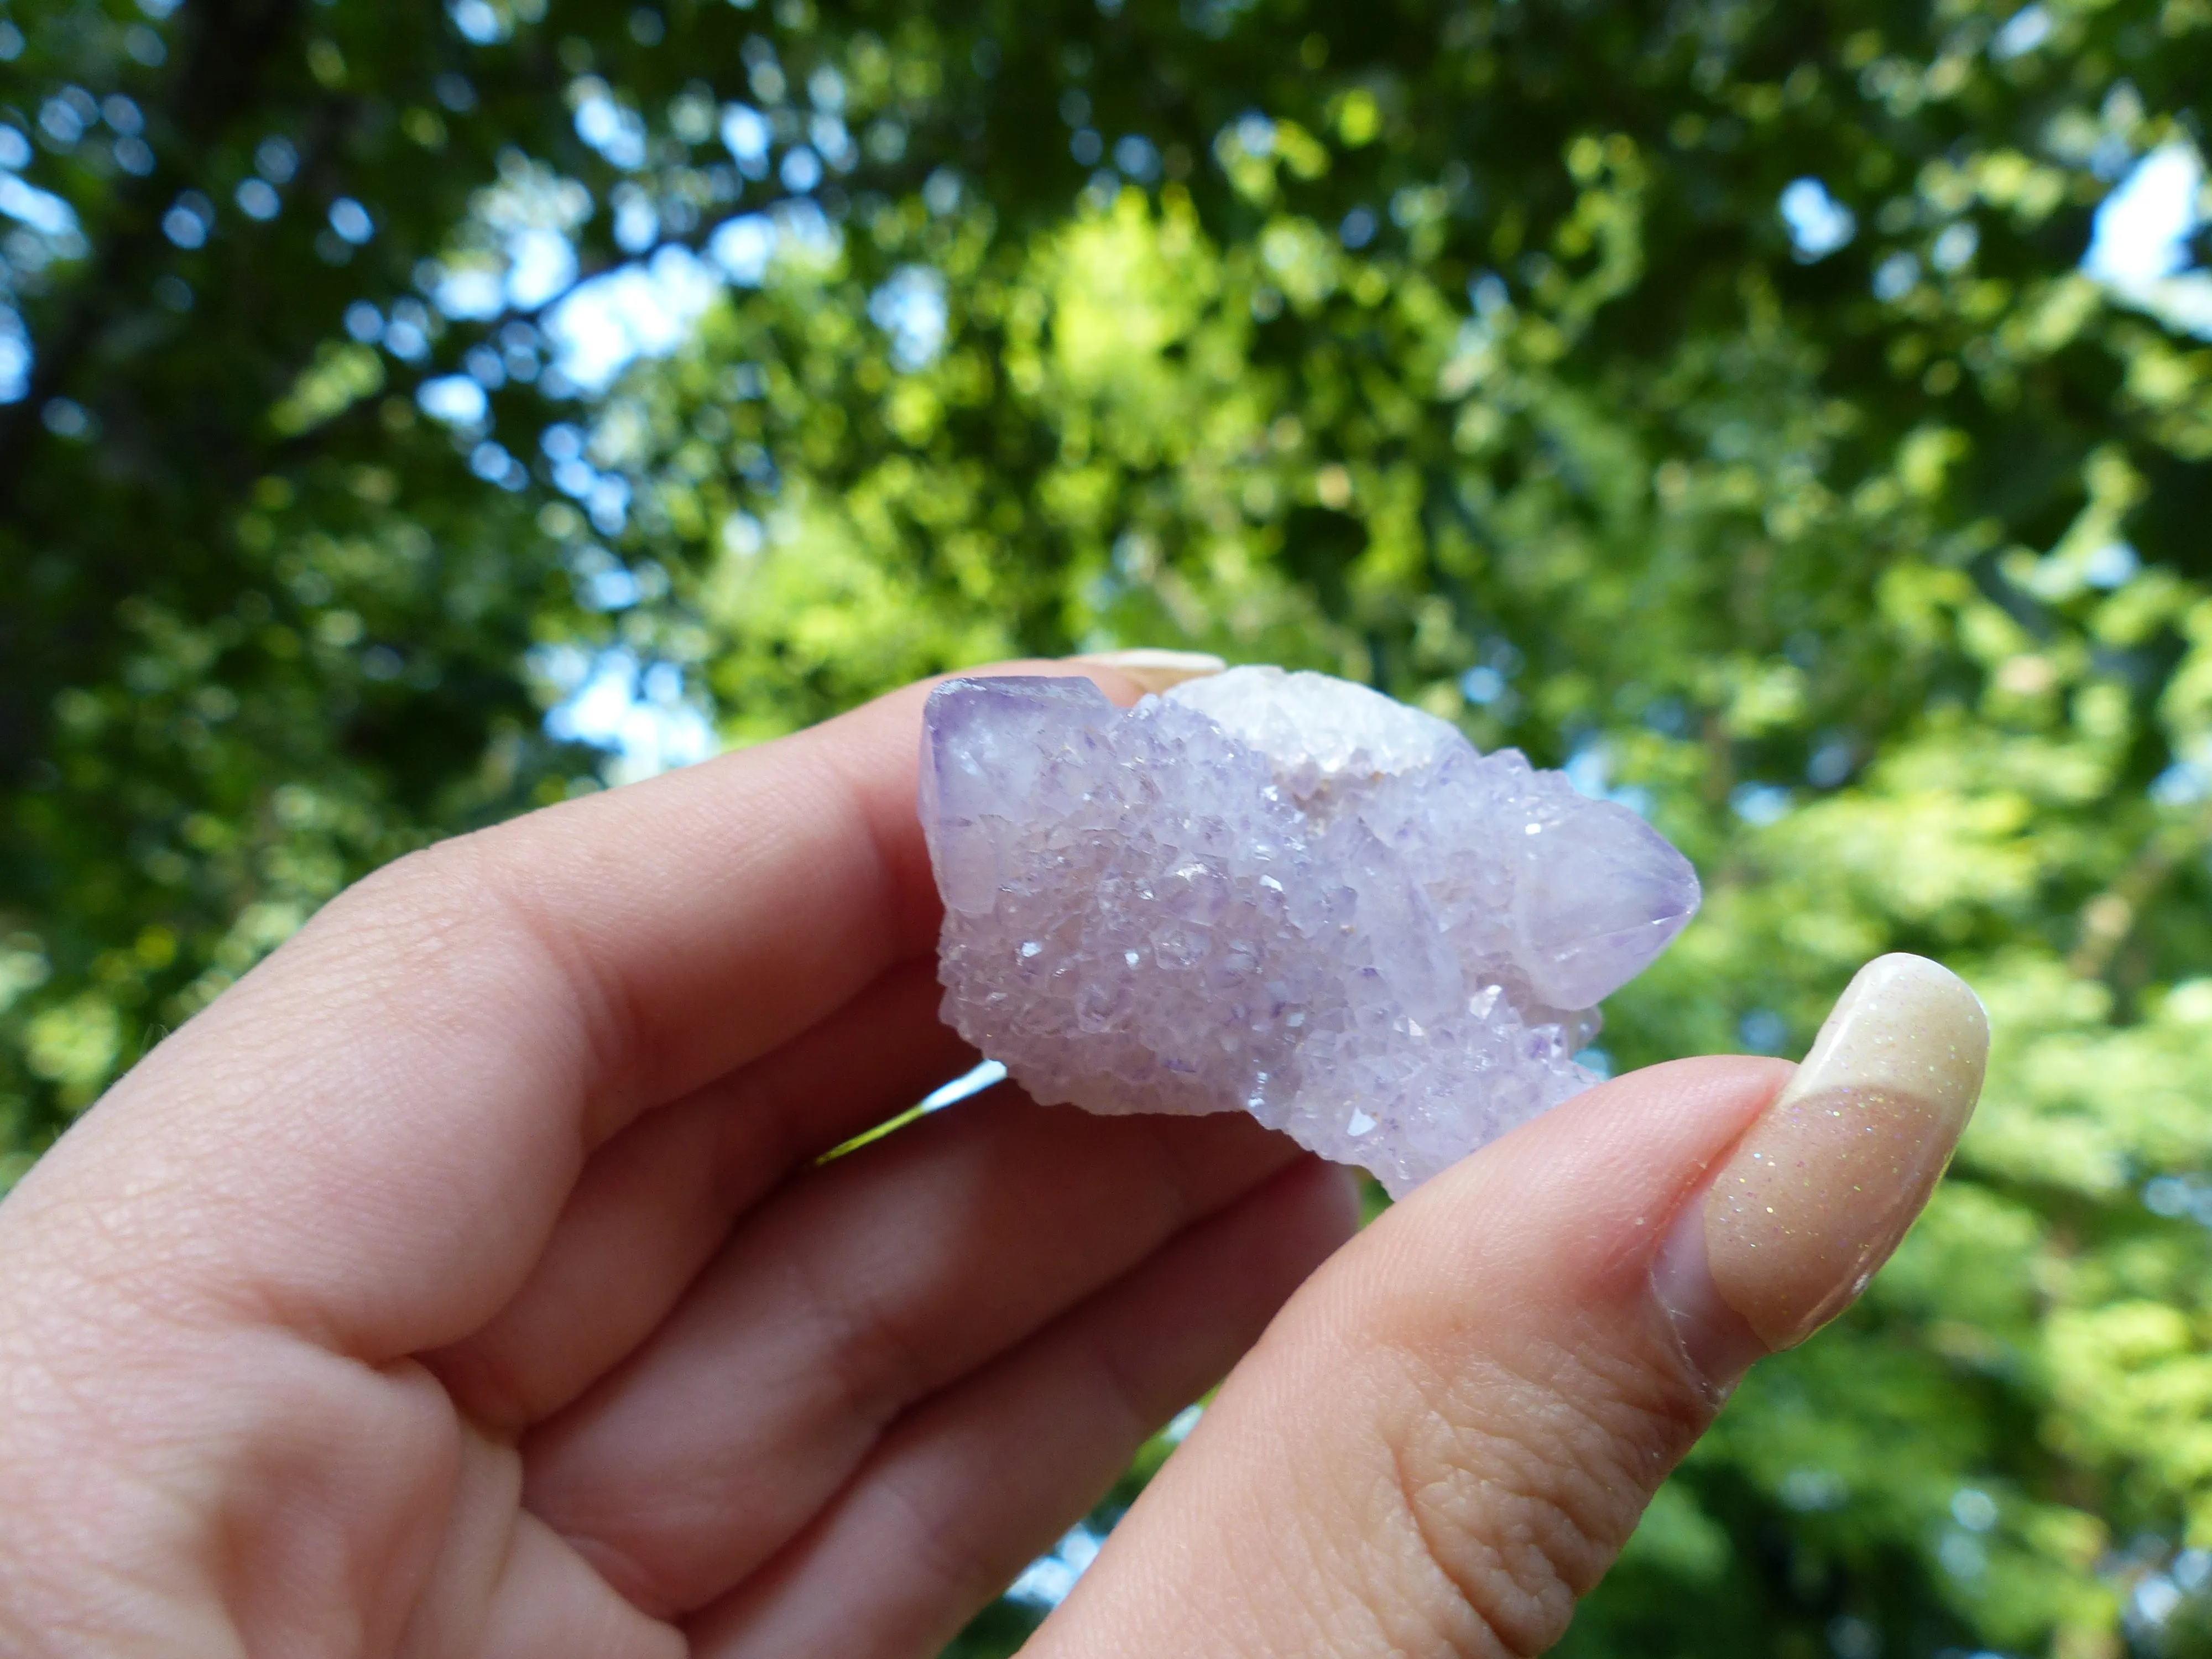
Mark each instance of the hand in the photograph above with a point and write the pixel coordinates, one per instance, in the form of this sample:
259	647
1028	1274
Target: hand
461	1283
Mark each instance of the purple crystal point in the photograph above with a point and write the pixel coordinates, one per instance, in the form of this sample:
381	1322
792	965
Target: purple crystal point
1282	894
1599	895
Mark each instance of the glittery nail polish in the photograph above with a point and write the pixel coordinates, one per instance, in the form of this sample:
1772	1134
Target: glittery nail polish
1820	1190
1816	1196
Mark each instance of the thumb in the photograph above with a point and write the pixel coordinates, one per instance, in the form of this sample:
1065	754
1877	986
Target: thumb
1446	1434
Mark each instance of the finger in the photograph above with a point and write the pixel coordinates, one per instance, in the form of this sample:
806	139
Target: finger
498	1584
1448	1430
1451	1430
548	1604
973	1484
655	1203
865	1287
369	1139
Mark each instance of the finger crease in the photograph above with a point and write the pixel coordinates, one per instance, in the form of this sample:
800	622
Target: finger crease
942	1552
613	1022
1473	1591
876	1368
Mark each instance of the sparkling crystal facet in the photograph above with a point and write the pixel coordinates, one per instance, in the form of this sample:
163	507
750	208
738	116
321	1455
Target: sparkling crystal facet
1285	894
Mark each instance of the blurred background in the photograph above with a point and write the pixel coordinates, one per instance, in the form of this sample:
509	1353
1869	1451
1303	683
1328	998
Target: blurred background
1792	417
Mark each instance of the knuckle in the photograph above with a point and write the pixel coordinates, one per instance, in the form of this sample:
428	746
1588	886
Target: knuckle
420	903
464	917
874	1363
448	882
1516	1485
951	1552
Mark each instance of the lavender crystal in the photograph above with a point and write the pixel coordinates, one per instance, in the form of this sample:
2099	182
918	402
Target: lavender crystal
1285	894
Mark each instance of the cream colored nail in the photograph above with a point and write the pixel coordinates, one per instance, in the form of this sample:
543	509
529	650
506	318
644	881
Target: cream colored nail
1816	1196
1158	671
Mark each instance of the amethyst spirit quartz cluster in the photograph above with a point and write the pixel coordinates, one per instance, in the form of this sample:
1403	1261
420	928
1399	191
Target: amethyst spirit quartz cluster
1283	894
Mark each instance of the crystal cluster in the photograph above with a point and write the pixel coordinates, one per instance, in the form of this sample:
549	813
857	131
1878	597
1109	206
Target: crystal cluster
1285	894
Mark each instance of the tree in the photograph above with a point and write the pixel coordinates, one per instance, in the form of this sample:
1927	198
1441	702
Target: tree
1712	400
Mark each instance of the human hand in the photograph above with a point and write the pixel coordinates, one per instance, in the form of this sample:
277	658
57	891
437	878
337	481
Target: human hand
459	1283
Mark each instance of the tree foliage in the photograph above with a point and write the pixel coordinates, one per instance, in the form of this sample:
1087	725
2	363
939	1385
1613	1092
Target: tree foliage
394	376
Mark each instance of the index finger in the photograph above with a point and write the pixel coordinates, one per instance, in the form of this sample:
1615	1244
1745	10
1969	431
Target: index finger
369	1136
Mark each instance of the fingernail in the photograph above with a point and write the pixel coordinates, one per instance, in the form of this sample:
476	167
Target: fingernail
1814	1199
1156	671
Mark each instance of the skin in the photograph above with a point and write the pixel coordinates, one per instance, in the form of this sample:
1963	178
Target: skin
460	1284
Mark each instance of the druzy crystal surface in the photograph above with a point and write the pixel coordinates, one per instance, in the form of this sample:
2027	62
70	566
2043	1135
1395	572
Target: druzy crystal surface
1284	894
